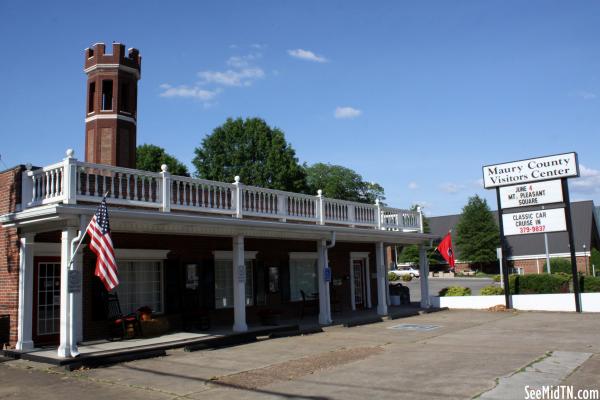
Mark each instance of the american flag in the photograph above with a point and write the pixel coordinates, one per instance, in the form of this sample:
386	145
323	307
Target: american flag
101	244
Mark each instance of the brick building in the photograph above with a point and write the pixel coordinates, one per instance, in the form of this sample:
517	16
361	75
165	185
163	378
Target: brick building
527	253
183	245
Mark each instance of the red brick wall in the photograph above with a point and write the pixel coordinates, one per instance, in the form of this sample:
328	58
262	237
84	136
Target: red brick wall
530	266
187	249
10	196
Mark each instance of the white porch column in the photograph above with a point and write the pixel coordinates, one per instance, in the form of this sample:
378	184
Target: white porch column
368	282
381	281
424	276
239	285
77	314
25	317
324	301
68	326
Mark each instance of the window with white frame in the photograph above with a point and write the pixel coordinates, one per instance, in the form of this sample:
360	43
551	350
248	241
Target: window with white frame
303	275
224	280
140	284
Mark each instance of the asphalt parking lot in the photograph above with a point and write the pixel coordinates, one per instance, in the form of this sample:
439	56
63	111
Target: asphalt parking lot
437	284
443	355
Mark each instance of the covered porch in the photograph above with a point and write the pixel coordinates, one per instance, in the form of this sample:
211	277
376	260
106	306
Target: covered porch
187	247
101	352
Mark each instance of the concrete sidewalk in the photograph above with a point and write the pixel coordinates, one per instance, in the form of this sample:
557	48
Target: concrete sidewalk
444	355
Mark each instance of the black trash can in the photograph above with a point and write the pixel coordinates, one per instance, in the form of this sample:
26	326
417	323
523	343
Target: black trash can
4	330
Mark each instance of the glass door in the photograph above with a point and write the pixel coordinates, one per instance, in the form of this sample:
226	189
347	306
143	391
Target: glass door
47	297
359	287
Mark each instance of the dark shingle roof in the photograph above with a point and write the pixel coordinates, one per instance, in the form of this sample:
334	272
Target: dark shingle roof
585	227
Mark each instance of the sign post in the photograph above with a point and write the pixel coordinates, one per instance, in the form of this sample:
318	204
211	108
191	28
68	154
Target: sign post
503	248
530	183
565	189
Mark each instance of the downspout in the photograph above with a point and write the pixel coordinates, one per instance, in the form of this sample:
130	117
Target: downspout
332	241
327	247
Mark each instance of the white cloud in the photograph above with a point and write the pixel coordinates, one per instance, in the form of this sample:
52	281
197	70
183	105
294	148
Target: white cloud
188	91
346	112
413	185
307	55
585	95
232	77
243	61
450	187
588	182
242	72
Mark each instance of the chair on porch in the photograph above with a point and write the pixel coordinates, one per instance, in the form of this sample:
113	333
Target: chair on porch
117	322
308	305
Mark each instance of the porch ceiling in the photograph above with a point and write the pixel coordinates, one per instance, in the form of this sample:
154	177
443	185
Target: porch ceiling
144	221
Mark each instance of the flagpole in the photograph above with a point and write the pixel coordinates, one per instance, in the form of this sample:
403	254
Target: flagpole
83	236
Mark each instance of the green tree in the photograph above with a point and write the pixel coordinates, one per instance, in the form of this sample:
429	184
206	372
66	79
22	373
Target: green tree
595	261
250	148
477	234
342	183
150	157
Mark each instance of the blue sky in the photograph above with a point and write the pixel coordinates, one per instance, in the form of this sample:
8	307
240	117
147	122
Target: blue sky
416	96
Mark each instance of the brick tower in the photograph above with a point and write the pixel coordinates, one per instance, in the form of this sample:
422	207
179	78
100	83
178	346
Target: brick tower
111	108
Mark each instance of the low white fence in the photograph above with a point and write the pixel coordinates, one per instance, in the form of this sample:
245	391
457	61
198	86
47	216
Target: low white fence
72	181
590	302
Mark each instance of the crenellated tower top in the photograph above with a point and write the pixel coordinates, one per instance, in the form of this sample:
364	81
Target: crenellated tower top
111	109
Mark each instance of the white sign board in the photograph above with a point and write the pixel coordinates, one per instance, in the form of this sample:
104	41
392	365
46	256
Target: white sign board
74	281
531	170
540	221
241	273
531	194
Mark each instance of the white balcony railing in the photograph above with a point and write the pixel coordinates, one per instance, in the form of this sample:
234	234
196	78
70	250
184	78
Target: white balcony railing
72	181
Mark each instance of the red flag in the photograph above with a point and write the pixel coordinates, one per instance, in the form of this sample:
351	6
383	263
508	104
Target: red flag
445	249
101	244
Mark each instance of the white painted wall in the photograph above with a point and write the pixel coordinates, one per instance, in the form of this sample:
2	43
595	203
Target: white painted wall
590	302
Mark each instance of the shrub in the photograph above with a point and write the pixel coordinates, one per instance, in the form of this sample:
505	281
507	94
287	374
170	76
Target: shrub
392	276
497	278
589	284
559	265
406	278
455	291
491	290
541	284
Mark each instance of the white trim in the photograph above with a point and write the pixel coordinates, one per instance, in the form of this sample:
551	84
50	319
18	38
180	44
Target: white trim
141	254
113	66
42	249
303	255
111	115
228	255
543	256
361	255
145	221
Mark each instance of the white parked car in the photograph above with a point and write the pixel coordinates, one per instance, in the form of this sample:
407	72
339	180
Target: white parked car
406	271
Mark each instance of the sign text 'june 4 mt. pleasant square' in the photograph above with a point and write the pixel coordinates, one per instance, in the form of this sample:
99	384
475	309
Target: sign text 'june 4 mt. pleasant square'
534	169
531	194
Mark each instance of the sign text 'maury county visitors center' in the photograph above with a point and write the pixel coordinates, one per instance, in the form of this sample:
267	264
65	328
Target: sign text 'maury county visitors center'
534	169
539	221
531	194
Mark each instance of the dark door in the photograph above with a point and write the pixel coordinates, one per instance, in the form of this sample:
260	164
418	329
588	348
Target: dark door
46	301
